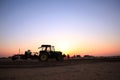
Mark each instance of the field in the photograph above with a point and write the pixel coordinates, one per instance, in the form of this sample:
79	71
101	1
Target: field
66	70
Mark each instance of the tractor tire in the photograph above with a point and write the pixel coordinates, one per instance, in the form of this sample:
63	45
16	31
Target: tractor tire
43	57
59	58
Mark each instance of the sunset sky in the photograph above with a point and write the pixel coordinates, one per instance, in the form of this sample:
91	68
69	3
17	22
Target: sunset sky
73	26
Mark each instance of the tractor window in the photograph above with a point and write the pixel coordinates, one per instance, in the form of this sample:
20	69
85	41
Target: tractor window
43	48
48	49
52	48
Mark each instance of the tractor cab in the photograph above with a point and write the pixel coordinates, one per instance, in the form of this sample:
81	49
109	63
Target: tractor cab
47	48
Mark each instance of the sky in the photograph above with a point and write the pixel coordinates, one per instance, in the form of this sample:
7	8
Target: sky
85	27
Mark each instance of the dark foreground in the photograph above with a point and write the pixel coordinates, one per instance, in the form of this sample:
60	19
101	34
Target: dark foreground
66	70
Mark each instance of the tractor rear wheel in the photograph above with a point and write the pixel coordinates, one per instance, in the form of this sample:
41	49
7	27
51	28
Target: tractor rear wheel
43	57
59	58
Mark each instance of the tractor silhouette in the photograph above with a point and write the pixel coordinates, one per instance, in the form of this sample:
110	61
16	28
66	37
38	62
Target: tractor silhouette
46	52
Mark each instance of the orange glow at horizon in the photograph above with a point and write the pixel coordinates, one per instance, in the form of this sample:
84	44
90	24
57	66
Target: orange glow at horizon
67	47
69	51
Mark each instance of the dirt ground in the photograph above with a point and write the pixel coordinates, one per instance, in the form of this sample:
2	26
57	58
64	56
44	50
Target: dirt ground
66	70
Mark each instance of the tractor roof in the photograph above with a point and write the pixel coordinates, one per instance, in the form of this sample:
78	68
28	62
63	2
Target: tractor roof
45	45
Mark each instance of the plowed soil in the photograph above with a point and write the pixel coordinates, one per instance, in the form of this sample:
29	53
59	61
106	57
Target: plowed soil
66	70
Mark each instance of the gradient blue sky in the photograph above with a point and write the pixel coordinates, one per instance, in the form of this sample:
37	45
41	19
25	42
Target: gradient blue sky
83	26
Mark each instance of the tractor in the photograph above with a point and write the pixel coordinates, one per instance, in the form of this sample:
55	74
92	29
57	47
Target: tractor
46	52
